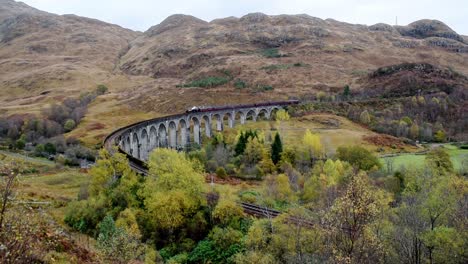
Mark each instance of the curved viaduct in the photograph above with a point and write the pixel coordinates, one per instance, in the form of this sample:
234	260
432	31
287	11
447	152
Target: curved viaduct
180	130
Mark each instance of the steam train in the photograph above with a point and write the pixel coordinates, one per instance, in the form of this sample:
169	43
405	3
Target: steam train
197	109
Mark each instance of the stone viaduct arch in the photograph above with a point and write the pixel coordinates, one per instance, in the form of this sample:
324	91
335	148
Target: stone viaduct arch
179	131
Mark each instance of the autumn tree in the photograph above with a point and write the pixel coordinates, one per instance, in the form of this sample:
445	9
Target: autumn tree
350	220
281	116
439	161
173	189
414	131
113	188
365	117
313	146
116	244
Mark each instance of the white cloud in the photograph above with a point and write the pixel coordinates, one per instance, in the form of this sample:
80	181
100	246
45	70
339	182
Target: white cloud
141	14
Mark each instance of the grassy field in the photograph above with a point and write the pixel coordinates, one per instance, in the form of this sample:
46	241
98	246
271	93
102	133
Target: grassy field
405	160
42	181
334	131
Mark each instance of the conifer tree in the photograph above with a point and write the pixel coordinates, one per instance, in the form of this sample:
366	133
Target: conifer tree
276	149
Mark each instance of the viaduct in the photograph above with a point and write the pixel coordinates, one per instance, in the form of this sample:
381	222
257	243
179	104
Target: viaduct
180	130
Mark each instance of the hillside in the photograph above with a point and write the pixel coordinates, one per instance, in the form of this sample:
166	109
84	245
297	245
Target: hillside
46	58
46	54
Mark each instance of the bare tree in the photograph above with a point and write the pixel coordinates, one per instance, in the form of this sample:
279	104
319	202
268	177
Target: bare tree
8	174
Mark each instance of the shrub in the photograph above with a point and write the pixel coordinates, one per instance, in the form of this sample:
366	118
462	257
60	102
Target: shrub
21	142
358	157
50	148
264	87
211	81
271	53
221	173
101	89
240	84
69	125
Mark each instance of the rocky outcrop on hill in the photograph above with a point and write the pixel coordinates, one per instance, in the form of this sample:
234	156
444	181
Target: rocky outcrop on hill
429	28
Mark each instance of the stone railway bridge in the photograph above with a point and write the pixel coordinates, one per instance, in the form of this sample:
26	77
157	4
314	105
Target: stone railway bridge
178	131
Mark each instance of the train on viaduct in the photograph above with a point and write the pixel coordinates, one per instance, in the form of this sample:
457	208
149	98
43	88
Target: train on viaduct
180	130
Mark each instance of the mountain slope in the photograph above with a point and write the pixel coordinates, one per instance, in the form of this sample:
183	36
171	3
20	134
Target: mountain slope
333	53
46	58
42	52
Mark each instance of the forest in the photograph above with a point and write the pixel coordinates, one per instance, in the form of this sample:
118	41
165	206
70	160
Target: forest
342	206
351	210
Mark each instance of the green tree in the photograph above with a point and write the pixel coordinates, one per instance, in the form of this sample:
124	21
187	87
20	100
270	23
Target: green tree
21	142
276	149
346	92
439	161
242	141
50	148
254	152
358	157
427	227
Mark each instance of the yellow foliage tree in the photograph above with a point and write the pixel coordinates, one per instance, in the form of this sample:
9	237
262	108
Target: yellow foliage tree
127	221
173	188
227	211
312	144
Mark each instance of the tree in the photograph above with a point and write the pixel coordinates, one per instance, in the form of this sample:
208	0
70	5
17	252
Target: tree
414	131
278	188
21	142
426	228
50	148
227	213
295	242
69	125
8	174
276	149
321	96
254	152
440	136
173	189
358	157
439	161
312	145
349	222
242	141
116	244
282	115
346	92
365	117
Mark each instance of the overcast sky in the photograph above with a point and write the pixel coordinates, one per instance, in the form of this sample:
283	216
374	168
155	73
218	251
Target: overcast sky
142	14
